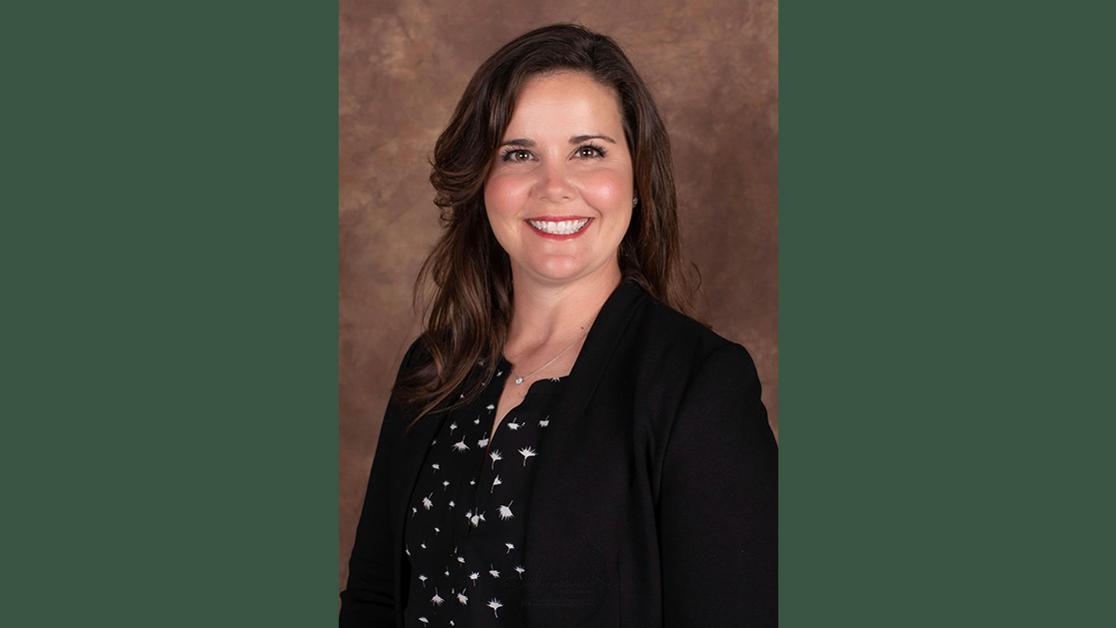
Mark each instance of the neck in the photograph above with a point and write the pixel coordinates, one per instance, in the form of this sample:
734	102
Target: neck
551	313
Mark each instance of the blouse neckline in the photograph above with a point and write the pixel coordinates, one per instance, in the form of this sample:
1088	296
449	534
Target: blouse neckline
544	384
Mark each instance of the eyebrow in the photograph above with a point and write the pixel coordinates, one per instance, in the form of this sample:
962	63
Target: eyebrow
577	139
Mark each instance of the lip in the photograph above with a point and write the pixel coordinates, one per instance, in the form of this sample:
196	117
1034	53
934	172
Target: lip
556	218
555	236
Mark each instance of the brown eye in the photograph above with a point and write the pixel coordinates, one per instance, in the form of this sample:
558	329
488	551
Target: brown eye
517	154
589	151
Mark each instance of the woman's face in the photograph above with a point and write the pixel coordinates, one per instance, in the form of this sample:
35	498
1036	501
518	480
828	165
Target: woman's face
559	194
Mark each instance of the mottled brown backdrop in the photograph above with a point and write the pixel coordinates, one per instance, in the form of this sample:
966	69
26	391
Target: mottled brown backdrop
712	68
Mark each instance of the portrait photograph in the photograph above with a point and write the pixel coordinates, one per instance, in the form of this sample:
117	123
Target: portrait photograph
558	355
564	314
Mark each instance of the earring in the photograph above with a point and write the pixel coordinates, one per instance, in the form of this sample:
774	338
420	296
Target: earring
635	201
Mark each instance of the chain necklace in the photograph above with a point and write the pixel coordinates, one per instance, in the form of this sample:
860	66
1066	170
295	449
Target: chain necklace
519	379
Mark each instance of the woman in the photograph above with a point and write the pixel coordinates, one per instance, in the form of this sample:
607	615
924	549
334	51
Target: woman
563	447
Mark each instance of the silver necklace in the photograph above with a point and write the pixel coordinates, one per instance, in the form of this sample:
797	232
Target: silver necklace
519	379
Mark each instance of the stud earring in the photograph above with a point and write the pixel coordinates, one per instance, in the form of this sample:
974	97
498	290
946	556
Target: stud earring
635	201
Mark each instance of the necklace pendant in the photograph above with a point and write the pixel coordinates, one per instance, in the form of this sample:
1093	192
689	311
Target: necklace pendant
519	380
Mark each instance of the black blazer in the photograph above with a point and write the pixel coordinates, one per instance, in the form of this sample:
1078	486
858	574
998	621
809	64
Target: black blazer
654	502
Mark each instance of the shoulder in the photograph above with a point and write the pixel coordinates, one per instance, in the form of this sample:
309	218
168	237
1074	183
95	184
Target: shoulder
690	387
682	346
417	353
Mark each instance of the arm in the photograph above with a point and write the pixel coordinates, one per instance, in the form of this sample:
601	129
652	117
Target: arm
369	596
718	501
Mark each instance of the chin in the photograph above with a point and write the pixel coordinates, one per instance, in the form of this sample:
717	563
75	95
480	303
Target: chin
558	273
546	267
559	270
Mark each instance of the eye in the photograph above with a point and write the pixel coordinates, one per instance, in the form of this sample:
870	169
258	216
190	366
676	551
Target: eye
589	151
516	154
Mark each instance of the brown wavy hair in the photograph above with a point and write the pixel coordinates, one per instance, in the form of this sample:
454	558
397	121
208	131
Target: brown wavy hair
466	279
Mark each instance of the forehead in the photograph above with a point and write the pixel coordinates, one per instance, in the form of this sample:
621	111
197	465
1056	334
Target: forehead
564	102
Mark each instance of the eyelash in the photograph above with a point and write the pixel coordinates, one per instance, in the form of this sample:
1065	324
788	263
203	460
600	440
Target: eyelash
601	152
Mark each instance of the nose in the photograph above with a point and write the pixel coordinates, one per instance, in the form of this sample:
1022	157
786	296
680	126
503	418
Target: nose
554	184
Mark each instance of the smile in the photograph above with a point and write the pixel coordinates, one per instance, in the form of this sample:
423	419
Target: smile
559	228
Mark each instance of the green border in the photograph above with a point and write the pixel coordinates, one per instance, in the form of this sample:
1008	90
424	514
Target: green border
946	265
171	280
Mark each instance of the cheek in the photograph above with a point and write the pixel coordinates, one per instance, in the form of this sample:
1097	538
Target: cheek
608	192
504	196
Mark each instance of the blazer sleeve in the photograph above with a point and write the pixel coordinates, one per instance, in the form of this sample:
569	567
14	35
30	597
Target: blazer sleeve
718	501
369	596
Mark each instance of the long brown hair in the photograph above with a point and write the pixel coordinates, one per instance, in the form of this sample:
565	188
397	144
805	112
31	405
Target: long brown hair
468	274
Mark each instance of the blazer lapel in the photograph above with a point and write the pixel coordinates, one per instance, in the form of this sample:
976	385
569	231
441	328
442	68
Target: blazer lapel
406	464
570	428
409	457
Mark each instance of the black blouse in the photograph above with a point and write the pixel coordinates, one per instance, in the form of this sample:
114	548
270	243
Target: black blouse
464	533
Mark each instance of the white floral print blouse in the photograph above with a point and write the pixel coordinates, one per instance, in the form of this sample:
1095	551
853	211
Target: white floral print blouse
464	534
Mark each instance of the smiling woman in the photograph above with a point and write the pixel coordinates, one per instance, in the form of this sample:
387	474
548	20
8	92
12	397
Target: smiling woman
644	489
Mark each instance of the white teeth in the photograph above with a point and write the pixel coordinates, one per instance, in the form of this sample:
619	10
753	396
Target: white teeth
559	227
